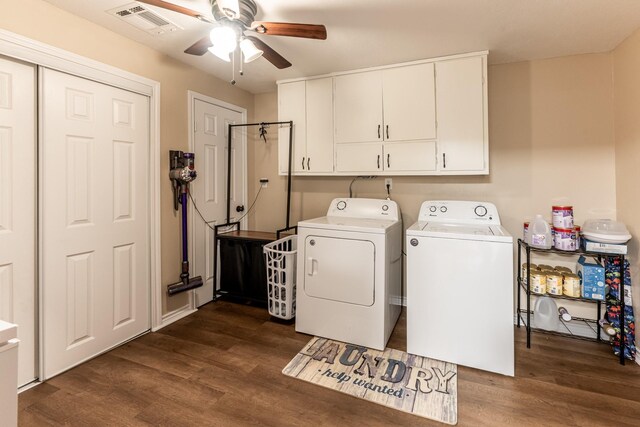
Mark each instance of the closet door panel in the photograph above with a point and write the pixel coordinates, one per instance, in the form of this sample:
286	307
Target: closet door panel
17	209
95	232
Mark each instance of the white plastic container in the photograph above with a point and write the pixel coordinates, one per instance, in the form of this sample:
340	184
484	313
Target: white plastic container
545	314
540	233
281	277
605	231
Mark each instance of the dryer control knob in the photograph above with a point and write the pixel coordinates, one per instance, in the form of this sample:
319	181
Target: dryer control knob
341	205
414	242
432	208
480	210
385	207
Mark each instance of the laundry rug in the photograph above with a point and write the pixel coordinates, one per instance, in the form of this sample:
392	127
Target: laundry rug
393	378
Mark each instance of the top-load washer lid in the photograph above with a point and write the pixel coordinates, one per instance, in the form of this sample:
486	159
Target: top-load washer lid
459	212
488	233
363	225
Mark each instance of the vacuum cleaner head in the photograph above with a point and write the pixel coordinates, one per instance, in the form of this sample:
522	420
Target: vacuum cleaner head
185	285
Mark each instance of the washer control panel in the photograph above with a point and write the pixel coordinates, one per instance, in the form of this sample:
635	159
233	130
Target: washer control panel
459	211
364	208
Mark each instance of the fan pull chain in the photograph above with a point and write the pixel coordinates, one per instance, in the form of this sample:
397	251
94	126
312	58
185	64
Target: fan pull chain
233	67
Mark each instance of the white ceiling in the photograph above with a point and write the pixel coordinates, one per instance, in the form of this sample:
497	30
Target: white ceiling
366	33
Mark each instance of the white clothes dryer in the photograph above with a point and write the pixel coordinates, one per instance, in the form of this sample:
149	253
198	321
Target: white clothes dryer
349	273
460	286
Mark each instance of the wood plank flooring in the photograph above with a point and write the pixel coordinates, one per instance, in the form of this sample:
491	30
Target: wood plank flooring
222	367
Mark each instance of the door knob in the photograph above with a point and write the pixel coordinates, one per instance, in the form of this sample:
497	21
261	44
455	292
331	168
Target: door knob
240	208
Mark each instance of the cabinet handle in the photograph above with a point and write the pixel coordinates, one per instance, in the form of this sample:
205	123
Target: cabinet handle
444	160
378	131
308	163
378	161
388	160
303	163
387	132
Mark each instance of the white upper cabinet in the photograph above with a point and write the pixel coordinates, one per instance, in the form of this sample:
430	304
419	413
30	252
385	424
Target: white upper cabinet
421	118
395	104
319	108
310	105
409	103
462	116
292	106
358	107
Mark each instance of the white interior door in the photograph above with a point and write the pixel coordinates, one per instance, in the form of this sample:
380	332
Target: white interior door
95	218
17	208
209	190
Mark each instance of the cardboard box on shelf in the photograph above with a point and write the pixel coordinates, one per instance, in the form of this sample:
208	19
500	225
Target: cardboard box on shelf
591	278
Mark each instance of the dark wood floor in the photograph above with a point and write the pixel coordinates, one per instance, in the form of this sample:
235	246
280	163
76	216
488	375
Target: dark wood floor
222	366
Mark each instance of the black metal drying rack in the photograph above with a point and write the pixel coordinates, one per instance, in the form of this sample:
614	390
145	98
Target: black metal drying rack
592	323
235	225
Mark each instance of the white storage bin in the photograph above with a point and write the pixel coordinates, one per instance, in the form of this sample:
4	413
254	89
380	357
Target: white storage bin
281	276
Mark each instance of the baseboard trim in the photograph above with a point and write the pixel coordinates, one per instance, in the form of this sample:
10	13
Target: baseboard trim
174	316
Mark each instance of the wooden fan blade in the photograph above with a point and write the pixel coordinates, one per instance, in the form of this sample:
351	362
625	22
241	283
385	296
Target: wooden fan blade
176	8
308	31
200	47
269	54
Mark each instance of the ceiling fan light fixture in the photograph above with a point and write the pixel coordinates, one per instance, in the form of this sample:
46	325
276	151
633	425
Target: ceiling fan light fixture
249	50
229	8
224	39
220	53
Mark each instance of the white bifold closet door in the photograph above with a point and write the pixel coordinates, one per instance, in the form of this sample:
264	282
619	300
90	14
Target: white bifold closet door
94	216
17	208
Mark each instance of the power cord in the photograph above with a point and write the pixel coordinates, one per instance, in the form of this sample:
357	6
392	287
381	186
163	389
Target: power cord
199	213
207	223
357	178
252	204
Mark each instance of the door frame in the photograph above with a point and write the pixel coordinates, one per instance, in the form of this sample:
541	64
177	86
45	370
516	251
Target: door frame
43	55
193	96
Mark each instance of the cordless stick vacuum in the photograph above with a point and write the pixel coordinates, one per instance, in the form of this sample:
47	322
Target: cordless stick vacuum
182	172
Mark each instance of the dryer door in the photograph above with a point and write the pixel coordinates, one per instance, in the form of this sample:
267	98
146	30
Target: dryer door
339	269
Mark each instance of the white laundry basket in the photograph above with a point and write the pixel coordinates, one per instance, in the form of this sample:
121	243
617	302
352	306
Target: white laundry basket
281	277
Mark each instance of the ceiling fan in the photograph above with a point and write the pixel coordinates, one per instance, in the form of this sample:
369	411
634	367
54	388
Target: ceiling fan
235	18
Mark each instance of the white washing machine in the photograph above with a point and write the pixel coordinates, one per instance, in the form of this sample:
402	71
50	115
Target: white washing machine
460	286
349	273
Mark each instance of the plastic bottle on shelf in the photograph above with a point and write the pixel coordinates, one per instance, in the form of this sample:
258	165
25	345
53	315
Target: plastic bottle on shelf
540	233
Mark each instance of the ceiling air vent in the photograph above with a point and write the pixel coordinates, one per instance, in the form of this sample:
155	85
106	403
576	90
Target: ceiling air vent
144	19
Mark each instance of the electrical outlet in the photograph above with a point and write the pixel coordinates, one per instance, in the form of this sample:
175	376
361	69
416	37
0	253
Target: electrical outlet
389	182
264	182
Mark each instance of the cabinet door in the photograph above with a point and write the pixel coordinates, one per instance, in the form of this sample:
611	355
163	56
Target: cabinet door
319	125
409	103
358	107
461	113
415	156
291	106
359	157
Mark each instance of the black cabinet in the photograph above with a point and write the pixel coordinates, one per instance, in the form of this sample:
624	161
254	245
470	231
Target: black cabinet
243	273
